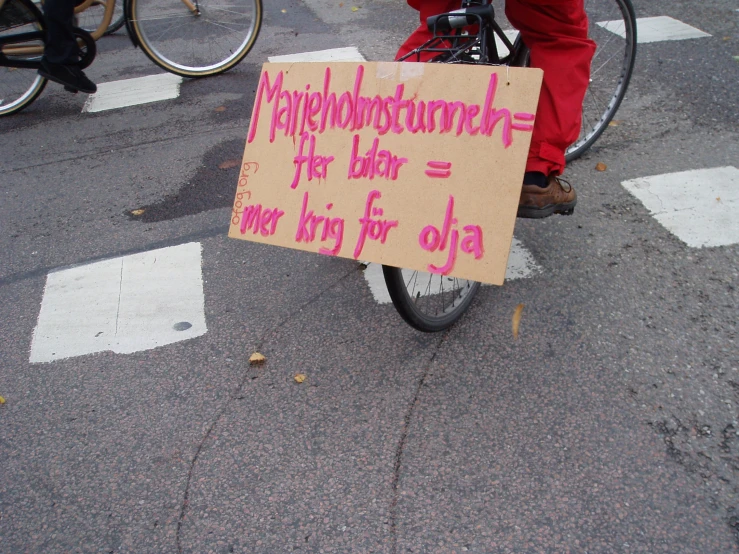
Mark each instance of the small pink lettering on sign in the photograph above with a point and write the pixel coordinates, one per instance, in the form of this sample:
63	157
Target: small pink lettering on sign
258	220
432	239
374	162
317	166
374	229
323	227
241	191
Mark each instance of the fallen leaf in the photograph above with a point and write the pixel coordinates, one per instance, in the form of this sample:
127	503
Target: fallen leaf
228	164
283	11
2	400
600	166
299	378
614	123
517	320
138	212
355	9
221	109
718	199
256	359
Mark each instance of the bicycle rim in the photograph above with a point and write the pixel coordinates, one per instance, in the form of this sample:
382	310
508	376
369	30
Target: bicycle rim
91	18
195	45
613	28
19	87
426	301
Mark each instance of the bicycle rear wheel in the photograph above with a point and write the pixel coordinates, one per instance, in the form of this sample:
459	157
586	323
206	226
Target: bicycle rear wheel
20	86
196	38
426	301
613	28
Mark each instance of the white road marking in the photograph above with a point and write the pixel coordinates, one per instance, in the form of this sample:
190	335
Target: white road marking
511	35
132	92
655	29
126	305
350	54
699	206
521	264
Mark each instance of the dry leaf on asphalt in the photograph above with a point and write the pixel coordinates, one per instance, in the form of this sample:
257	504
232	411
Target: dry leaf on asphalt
355	9
299	378
256	358
2	400
137	212
614	123
517	320
228	164
221	109
600	166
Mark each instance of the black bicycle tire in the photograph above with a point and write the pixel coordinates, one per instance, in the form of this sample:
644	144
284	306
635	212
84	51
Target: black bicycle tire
140	40
408	310
578	149
39	83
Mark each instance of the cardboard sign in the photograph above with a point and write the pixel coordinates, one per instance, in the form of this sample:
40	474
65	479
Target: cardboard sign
414	165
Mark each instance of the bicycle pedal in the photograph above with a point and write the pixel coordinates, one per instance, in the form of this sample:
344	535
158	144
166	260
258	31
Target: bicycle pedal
71	89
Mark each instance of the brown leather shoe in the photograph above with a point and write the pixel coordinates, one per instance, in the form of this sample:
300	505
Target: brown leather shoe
557	198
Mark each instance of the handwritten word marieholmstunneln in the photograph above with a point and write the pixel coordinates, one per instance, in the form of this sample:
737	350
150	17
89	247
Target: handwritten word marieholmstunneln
295	112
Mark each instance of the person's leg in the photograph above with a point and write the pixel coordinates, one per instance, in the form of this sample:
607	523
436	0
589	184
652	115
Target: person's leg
426	8
556	32
61	53
61	47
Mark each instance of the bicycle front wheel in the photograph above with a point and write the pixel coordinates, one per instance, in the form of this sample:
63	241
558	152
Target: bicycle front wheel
20	86
426	301
613	28
196	38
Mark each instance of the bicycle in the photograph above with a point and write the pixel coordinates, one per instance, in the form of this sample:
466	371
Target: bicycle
468	36
190	38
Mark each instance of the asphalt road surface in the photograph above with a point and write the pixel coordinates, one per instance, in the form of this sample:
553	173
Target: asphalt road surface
610	425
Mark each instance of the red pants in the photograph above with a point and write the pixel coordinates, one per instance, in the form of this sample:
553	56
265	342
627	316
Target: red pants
556	32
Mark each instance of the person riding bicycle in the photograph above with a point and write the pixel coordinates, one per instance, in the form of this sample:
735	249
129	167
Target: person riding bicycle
61	52
556	32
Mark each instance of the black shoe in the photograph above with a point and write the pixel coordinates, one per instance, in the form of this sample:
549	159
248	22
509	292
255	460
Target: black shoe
71	76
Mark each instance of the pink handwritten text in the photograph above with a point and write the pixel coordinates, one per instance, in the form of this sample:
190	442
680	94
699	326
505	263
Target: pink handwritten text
257	220
317	165
375	229
439	170
374	163
432	239
299	111
311	226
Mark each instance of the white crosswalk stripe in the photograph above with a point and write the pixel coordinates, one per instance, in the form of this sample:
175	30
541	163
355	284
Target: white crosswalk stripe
126	305
656	29
133	92
699	207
